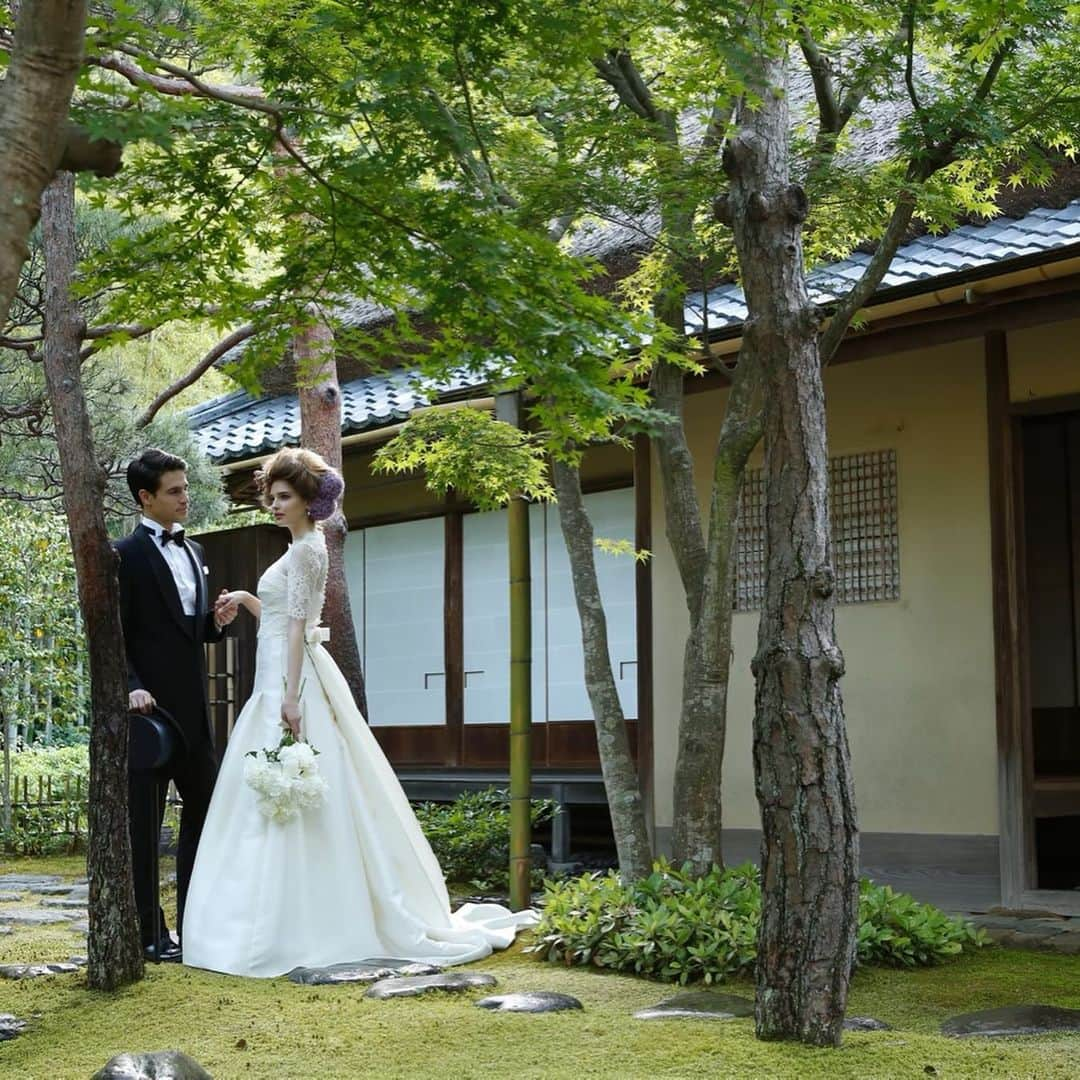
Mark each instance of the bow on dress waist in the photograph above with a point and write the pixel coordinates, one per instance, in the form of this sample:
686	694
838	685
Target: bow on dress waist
317	635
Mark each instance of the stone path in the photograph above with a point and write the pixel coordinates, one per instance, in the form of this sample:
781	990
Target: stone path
45	900
1031	930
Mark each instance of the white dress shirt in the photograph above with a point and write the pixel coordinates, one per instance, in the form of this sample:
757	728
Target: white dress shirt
179	562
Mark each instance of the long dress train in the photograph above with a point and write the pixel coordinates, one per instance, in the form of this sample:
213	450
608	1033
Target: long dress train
352	879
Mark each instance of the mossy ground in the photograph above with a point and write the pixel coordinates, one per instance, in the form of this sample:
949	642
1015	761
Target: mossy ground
247	1028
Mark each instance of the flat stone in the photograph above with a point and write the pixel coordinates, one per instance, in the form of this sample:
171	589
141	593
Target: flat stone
34	917
160	1065
10	1027
1014	1020
27	881
361	971
699	1005
530	1001
865	1023
64	903
1067	944
415	985
10	897
59	889
36	971
5	930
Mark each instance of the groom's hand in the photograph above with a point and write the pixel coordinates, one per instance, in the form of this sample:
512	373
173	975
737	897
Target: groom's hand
141	701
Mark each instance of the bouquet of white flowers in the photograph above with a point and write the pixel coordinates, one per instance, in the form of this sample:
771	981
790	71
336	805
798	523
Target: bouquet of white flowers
285	778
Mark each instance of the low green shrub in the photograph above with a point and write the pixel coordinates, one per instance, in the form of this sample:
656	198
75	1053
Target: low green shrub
680	928
470	836
896	930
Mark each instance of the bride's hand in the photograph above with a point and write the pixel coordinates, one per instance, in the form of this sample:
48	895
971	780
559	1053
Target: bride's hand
290	717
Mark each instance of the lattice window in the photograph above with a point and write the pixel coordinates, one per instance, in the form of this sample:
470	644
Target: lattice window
866	543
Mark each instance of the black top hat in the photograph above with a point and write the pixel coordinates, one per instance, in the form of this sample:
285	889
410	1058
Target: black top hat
153	739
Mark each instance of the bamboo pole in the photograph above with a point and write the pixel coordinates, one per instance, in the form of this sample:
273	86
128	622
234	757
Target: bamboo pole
508	409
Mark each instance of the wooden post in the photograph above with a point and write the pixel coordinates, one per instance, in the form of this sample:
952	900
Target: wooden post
1016	842
508	409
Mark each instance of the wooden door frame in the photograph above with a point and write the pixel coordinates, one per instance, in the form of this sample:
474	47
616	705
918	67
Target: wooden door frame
1012	678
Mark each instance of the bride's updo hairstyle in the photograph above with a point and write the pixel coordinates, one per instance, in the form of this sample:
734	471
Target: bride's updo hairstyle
317	483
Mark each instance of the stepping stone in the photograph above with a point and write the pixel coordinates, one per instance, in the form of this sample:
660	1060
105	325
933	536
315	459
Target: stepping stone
530	1001
34	917
699	1005
363	971
64	902
81	927
36	971
5	930
10	1026
1014	1020
51	889
414	986
160	1065
10	897
28	881
865	1023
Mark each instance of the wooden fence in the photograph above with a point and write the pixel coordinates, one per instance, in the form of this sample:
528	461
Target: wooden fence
68	797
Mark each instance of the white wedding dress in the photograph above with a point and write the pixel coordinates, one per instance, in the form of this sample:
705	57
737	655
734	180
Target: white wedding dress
350	880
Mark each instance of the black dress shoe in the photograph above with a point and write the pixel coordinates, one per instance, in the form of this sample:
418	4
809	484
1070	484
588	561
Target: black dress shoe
167	952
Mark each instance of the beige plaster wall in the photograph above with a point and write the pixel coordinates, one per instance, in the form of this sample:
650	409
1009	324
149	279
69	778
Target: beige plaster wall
1044	361
920	685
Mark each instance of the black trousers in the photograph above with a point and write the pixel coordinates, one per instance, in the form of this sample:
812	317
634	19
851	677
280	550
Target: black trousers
193	773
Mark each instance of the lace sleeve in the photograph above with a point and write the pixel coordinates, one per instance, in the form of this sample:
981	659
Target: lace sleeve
307	579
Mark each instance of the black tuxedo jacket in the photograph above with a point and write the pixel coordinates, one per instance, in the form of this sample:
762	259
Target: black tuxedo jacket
165	653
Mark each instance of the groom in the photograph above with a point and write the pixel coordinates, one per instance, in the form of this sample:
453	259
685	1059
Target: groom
167	620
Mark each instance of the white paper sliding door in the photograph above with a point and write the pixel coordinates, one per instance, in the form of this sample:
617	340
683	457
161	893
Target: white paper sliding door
486	607
396	577
612	515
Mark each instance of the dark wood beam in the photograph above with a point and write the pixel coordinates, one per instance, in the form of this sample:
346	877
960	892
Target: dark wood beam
453	638
1006	541
644	625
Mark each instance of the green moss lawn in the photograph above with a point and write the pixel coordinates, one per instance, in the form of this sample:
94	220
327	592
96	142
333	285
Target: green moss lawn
257	1028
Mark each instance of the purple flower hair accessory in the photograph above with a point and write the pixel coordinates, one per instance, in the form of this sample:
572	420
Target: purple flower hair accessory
325	502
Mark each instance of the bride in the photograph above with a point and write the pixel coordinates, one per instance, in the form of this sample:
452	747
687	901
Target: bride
354	878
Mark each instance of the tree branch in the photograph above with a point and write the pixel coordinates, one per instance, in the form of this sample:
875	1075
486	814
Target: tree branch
939	155
45	58
494	184
196	373
183	83
867	285
82	153
618	70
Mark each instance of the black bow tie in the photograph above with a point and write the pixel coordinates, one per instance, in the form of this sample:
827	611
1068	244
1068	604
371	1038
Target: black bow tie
176	537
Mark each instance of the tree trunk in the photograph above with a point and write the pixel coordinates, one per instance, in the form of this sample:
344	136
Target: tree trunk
698	807
34	100
806	942
115	956
616	762
320	430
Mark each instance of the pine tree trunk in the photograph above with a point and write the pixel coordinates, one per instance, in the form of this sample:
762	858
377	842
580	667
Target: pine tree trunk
115	955
806	942
320	430
34	100
616	761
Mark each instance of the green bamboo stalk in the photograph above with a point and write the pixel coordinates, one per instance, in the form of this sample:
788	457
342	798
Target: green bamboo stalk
520	701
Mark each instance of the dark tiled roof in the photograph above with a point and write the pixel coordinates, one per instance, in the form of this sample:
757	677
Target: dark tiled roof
237	426
965	251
